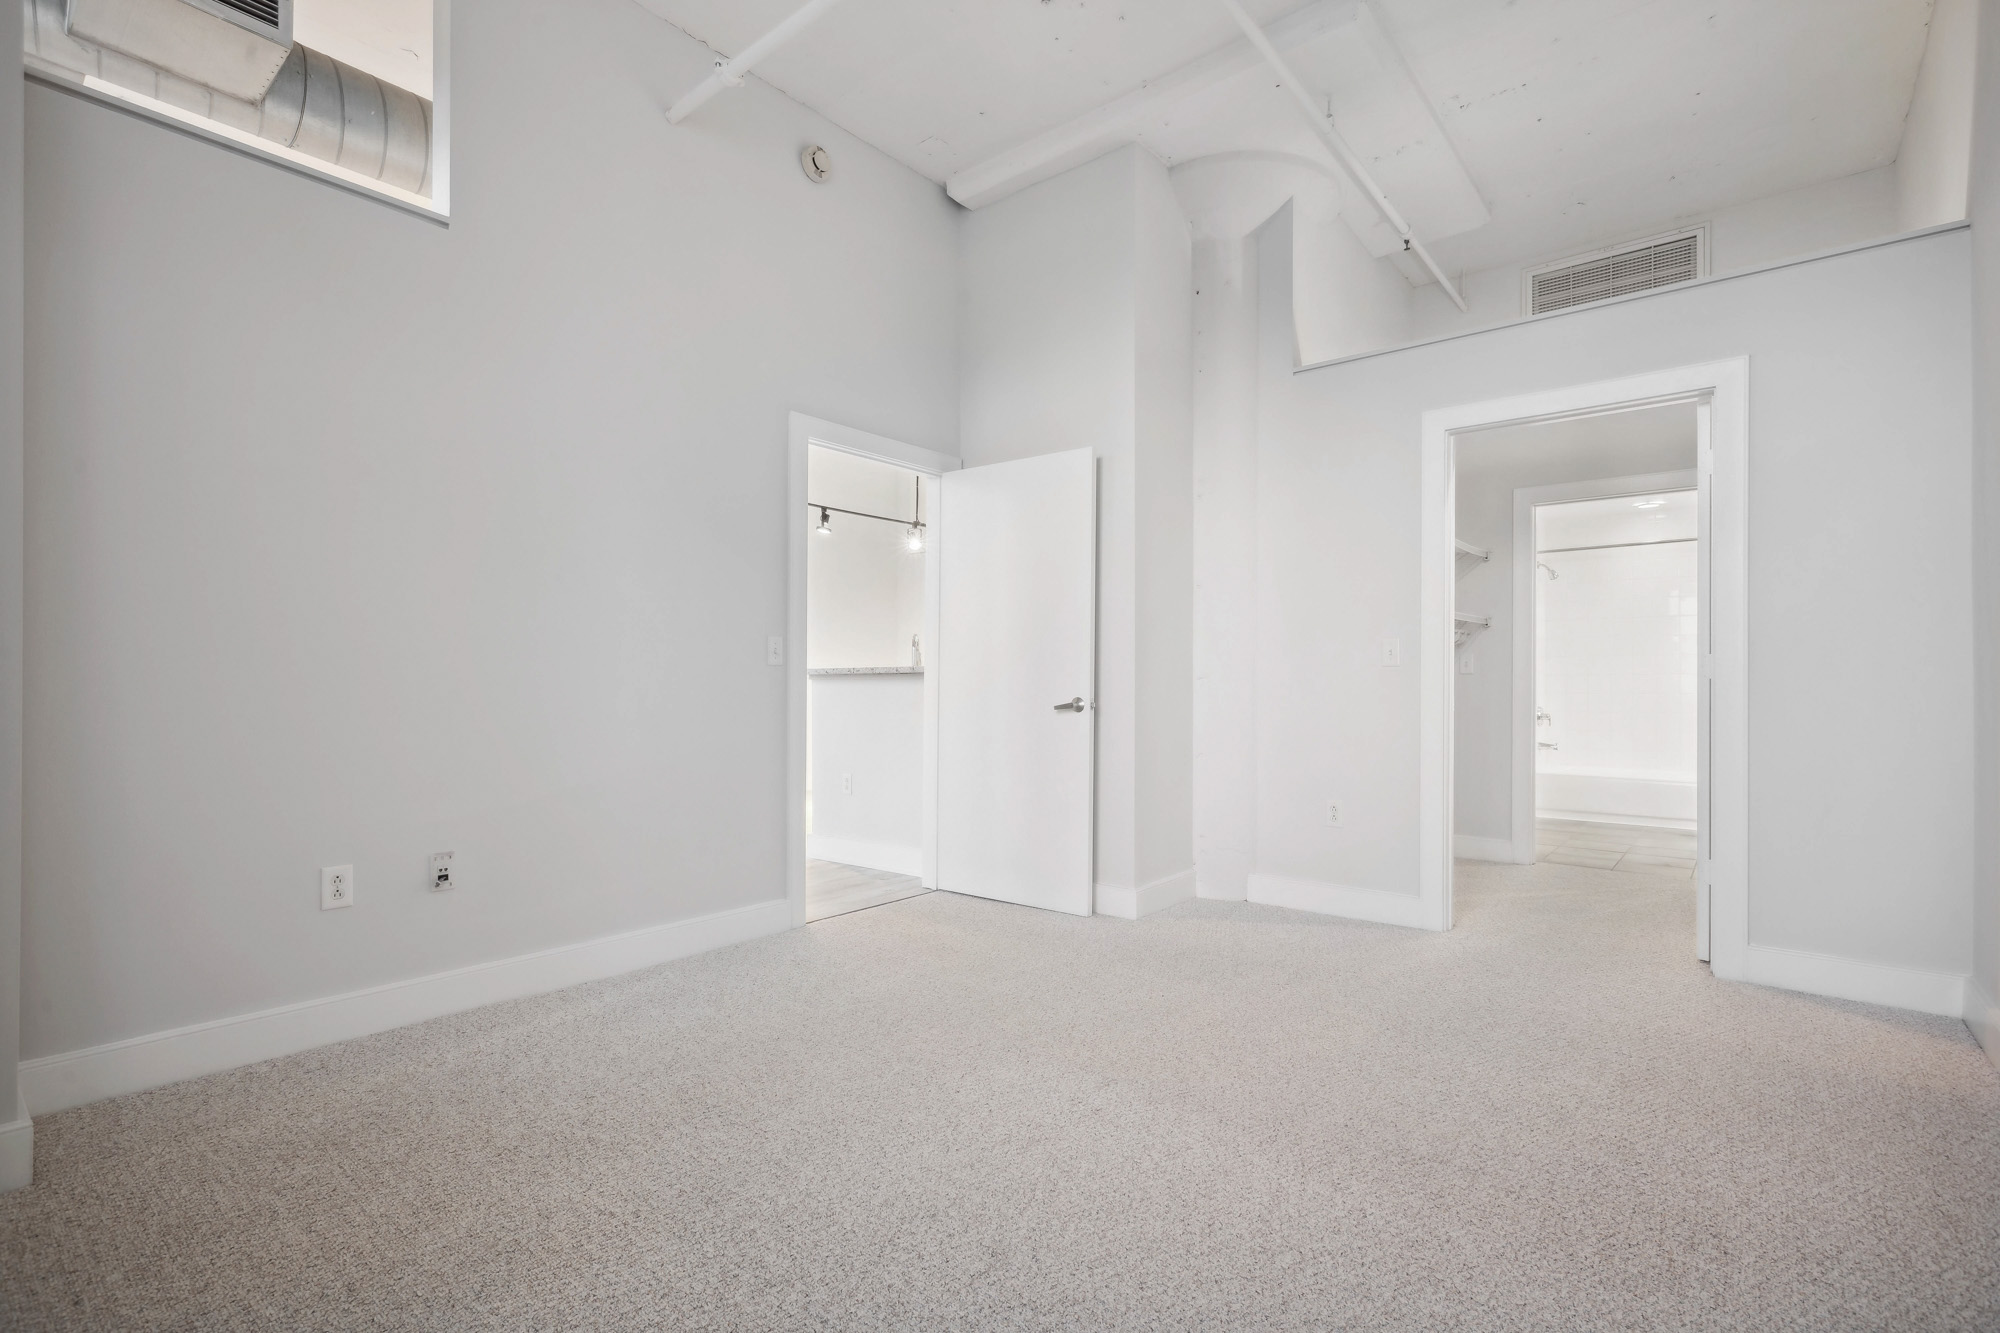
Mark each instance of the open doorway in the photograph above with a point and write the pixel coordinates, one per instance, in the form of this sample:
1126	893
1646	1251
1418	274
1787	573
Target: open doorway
1588	562
868	576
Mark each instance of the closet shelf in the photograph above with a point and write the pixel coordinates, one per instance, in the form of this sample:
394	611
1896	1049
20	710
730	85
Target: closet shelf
1464	626
1478	554
864	671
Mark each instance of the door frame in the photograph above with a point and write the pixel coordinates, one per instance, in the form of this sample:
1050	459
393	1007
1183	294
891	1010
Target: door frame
805	432
1723	480
1527	594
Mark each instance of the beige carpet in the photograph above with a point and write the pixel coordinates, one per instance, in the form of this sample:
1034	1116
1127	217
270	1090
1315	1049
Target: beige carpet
949	1114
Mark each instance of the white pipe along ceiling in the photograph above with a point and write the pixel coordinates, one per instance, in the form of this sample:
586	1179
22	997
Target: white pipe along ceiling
1322	125
729	73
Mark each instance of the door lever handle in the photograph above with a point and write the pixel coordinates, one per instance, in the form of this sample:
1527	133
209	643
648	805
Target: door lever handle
1075	705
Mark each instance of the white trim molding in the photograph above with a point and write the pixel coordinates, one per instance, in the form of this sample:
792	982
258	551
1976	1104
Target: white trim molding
1131	904
1724	467
1312	895
1850	979
889	856
1466	847
57	1082
1526	799
802	433
17	1148
1982	1015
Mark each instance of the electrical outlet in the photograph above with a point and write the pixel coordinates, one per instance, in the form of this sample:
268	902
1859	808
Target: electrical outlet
336	887
1392	652
774	650
440	872
847	784
1333	814
1467	666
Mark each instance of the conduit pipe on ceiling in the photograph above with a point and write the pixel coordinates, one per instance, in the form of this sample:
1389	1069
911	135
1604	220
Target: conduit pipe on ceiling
729	73
1350	161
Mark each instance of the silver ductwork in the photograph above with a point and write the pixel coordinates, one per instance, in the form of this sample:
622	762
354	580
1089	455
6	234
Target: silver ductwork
315	105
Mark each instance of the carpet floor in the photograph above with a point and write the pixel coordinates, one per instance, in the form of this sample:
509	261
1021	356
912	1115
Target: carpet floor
953	1114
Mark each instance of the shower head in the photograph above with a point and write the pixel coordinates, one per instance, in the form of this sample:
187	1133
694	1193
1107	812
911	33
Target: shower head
1553	576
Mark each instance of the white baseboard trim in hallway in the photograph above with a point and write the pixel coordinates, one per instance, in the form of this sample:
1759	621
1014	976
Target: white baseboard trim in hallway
889	856
1468	848
1850	979
57	1082
1131	904
1982	1015
1311	895
17	1149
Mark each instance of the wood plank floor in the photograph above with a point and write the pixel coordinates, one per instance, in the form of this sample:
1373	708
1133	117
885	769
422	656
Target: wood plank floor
833	889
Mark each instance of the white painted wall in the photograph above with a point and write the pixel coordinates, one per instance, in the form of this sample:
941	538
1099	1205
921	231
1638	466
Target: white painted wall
1615	663
865	587
1075	316
354	538
1225	564
1983	1006
1492	465
1861	836
1825	216
11	573
1936	157
865	783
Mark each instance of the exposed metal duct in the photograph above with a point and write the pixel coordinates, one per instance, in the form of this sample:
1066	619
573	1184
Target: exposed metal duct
316	105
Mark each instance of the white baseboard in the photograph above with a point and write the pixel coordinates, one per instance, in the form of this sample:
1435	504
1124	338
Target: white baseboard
1311	895
1850	979
1131	904
1468	848
1625	821
1982	1015
56	1082
17	1149
892	857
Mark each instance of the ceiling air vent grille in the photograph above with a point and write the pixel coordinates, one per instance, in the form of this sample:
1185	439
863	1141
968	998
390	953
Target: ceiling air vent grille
1638	268
262	11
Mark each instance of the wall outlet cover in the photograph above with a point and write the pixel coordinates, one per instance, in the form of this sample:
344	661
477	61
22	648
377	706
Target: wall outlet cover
774	650
441	872
1333	814
336	887
1392	652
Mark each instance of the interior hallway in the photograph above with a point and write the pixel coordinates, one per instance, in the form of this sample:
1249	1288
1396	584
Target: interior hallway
1628	848
833	889
952	1113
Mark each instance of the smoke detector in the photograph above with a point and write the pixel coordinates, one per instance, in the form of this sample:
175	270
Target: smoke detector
817	162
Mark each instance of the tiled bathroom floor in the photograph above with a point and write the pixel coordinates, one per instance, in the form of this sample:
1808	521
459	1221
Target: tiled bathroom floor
1664	852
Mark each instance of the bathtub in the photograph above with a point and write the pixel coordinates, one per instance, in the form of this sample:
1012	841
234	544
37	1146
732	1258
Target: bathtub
1615	798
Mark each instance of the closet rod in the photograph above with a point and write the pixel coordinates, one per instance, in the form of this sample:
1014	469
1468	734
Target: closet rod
1619	546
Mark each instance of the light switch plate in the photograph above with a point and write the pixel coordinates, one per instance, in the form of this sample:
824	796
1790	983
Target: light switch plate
774	651
1392	652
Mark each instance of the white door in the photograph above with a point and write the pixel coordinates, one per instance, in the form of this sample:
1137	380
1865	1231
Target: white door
1016	673
1704	744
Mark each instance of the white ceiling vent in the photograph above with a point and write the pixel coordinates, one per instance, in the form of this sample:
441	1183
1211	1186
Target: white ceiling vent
1658	261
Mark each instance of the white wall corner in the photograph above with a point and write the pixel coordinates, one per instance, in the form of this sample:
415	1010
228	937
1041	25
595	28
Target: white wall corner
1311	895
1130	904
1982	1015
56	1082
17	1149
1851	979
1468	848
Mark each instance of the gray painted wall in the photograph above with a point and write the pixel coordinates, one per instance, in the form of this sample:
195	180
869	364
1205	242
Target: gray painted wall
1860	446
355	538
1985	207
12	331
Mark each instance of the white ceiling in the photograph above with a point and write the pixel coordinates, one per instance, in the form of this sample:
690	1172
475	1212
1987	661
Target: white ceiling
1573	120
390	39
